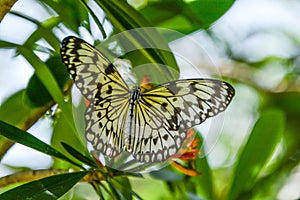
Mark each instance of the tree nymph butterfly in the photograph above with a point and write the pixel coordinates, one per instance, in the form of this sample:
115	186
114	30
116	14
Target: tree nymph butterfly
151	125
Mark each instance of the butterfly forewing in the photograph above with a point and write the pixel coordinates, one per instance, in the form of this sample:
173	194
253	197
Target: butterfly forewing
90	70
101	84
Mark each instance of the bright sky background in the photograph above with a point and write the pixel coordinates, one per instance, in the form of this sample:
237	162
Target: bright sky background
243	18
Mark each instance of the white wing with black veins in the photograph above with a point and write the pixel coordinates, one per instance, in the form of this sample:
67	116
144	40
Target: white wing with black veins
102	85
158	118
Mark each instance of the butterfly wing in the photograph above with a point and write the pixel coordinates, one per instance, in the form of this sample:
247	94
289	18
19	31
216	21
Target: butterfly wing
101	84
163	115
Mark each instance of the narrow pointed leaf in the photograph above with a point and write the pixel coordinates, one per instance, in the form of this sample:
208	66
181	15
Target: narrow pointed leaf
28	140
76	154
262	141
203	182
148	43
48	188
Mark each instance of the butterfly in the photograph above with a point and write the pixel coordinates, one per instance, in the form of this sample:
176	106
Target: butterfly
151	125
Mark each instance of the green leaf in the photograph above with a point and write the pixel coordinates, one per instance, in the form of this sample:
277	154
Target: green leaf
63	132
185	16
87	160
11	105
114	193
166	175
145	43
208	11
71	13
171	14
24	116
81	191
45	76
43	30
122	186
286	101
262	141
50	188
203	182
8	45
95	17
28	140
48	80
36	92
43	73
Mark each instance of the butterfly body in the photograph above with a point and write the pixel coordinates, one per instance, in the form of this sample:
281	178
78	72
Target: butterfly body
133	100
150	124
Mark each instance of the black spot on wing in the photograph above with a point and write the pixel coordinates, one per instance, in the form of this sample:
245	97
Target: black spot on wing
165	137
173	88
163	106
146	141
109	91
110	69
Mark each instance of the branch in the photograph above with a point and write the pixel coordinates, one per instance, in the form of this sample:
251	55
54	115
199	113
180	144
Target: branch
32	175
27	176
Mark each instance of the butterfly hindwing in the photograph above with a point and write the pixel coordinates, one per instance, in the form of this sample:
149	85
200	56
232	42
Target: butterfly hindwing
101	84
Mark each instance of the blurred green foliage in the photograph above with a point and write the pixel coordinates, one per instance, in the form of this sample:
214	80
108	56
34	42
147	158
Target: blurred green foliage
253	174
